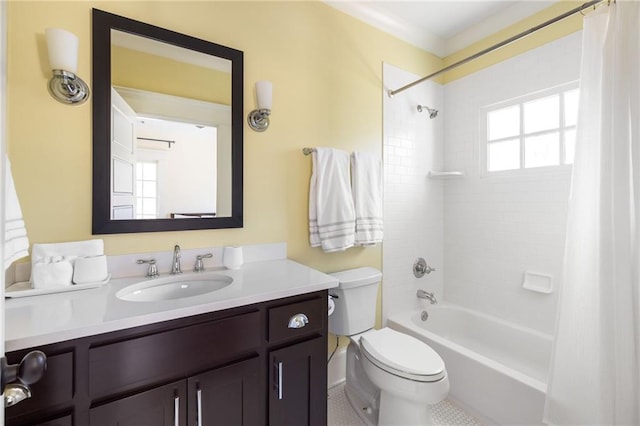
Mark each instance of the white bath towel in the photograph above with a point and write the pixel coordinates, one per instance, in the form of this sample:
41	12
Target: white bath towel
16	242
366	176
331	211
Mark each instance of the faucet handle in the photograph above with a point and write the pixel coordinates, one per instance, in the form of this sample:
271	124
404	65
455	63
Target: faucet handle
420	268
152	272
199	266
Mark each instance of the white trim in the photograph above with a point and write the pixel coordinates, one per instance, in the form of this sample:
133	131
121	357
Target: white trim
175	108
493	24
406	31
337	368
422	38
3	150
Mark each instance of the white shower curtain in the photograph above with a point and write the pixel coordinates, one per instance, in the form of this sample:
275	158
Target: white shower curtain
595	368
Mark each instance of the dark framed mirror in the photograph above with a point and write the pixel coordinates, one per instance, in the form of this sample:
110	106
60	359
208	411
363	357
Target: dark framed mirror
167	129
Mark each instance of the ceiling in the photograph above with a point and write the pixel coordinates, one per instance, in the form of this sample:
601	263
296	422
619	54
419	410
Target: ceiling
441	27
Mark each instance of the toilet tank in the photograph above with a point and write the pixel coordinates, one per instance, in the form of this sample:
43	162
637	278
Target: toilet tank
355	300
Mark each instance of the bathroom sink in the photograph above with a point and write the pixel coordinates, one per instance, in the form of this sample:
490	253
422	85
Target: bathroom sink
173	287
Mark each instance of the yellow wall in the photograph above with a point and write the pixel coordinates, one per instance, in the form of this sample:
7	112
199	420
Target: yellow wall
326	69
138	70
539	38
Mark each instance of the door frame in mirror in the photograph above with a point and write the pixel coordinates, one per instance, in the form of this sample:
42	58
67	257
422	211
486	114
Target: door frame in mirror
103	22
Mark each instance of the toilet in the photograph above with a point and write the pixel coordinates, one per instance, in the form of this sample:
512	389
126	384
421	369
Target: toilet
392	378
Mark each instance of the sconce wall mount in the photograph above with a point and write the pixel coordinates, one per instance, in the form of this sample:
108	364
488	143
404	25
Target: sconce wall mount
258	119
65	86
68	88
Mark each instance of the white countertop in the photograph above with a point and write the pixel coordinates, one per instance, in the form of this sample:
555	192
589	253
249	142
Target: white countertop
40	320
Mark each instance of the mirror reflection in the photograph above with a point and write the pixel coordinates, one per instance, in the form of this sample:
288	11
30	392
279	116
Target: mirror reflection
170	145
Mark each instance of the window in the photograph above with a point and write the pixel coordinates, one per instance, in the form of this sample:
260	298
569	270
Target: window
146	190
533	131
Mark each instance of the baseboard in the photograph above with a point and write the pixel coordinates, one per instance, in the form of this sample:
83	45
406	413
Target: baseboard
337	368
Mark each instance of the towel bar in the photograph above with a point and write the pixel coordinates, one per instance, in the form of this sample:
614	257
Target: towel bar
308	151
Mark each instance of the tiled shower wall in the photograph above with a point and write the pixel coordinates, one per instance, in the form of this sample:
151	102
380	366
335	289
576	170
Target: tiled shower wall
496	228
480	233
413	204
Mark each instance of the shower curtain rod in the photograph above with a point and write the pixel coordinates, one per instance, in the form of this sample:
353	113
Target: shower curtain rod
497	46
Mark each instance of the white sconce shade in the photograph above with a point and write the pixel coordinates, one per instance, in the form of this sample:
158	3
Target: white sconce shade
258	119
264	91
63	49
65	86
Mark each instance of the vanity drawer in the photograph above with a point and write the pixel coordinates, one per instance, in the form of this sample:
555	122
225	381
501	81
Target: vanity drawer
171	354
315	310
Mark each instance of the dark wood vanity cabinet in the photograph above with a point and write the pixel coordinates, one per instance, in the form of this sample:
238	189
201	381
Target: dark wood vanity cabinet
228	395
297	394
242	366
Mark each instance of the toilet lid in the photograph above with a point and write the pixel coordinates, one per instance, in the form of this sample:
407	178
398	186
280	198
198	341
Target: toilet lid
402	355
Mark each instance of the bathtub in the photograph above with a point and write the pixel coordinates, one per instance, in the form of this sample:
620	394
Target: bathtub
497	370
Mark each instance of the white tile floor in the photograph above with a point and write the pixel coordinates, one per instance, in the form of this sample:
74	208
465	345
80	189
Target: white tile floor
444	413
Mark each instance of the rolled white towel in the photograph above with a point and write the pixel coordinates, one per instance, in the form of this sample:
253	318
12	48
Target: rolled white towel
44	253
52	272
91	269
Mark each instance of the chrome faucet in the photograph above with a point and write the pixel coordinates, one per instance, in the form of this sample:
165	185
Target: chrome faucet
152	270
426	295
199	266
175	263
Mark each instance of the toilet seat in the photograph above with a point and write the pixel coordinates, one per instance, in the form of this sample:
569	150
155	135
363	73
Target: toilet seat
402	355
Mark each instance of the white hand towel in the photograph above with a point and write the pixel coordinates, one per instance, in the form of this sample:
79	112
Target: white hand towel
367	197
16	242
331	212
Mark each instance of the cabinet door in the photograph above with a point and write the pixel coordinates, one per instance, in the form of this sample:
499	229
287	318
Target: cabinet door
62	421
229	396
298	384
162	406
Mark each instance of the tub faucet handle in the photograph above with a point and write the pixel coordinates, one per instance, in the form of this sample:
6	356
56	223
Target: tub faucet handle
420	268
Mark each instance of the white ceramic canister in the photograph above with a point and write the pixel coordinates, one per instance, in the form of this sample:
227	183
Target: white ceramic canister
232	257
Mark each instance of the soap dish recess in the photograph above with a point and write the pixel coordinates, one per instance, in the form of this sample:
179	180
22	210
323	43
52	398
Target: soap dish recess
540	283
445	175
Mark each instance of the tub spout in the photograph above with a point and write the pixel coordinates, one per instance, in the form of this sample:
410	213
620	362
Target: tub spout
426	295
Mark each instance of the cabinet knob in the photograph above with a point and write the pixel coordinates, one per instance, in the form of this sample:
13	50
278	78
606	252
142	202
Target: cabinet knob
30	370
298	321
15	379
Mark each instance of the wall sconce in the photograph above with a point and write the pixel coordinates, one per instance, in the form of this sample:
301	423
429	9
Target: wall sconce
65	86
258	119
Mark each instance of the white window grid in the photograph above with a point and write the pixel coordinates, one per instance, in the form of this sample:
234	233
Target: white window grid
142	197
520	101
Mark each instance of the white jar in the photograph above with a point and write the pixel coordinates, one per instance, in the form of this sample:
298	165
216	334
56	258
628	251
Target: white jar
232	257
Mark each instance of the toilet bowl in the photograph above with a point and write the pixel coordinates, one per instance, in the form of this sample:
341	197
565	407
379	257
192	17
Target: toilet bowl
409	374
391	377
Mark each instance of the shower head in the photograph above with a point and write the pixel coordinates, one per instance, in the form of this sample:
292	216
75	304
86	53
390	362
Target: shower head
433	113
